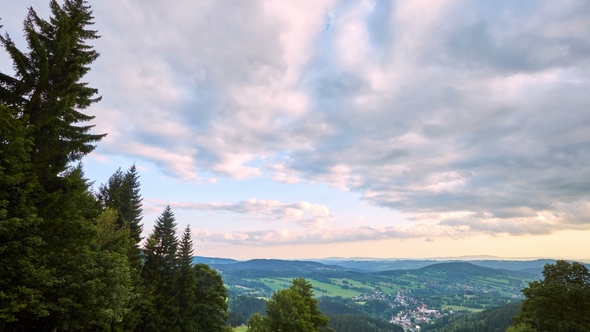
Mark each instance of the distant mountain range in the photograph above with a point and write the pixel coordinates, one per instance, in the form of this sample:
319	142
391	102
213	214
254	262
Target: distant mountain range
530	267
213	260
280	265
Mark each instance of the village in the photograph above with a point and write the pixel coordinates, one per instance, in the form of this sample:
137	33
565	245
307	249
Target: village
414	314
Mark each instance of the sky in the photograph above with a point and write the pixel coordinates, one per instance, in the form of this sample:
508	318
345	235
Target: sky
337	128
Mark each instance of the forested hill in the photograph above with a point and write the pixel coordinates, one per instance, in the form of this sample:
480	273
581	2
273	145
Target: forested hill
530	267
273	266
465	269
496	319
534	267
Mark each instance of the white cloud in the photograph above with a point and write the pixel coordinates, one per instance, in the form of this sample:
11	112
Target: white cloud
426	107
304	214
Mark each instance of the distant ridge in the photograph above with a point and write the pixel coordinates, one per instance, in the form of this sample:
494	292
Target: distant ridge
363	264
213	260
279	265
470	258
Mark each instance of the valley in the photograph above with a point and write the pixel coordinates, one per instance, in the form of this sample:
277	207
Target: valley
421	293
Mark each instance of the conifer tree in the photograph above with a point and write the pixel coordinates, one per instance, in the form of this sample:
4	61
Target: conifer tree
21	274
187	285
122	193
131	209
64	278
109	194
47	89
160	275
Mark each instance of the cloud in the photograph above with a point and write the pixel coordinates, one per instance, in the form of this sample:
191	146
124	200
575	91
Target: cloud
327	235
304	214
450	225
428	108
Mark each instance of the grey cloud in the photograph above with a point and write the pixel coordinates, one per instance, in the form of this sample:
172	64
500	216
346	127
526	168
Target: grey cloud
302	213
482	108
280	237
378	25
512	38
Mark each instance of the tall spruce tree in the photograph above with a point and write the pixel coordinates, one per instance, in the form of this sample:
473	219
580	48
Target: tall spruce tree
160	276
122	193
131	209
64	278
186	285
47	88
109	194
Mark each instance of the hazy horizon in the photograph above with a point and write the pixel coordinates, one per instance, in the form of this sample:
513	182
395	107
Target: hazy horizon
449	258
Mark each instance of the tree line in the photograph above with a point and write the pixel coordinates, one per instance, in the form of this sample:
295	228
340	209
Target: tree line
73	259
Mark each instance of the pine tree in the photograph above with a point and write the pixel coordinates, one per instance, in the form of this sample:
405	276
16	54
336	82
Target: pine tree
21	275
65	278
47	89
121	193
187	285
160	275
109	194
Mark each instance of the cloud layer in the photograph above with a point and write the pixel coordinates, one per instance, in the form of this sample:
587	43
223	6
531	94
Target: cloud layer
304	214
471	116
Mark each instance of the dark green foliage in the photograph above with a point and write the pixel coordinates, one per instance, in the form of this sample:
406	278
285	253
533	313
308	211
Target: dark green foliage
521	328
242	307
112	288
182	296
131	210
304	289
496	319
361	323
47	90
559	302
292	309
160	273
333	307
186	284
20	238
349	318
121	193
77	276
211	299
70	261
66	277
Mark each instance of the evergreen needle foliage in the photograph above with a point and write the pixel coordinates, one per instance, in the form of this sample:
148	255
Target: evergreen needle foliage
70	259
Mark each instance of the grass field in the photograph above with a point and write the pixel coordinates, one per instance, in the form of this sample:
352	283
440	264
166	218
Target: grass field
324	289
332	290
